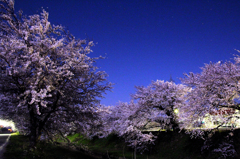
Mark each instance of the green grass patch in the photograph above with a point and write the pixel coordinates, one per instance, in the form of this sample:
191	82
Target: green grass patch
16	133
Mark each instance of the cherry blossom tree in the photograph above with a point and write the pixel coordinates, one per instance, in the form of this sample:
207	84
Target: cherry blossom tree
155	103
161	99
123	121
214	96
48	82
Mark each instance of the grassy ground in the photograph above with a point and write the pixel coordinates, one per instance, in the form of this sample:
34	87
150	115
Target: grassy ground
18	149
169	145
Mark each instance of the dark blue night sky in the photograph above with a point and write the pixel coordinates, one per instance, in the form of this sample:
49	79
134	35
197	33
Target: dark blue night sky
146	40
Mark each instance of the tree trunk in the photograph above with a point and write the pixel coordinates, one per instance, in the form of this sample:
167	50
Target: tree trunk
135	154
34	134
33	137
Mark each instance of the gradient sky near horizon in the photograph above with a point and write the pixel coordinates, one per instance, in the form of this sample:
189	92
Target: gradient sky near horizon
147	40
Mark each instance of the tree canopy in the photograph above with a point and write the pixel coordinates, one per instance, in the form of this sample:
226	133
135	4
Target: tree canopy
48	82
214	95
154	103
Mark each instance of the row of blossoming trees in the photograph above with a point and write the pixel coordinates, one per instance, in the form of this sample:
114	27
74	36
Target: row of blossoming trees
200	96
49	85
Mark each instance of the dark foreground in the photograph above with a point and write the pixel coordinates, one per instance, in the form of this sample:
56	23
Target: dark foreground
18	149
169	145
